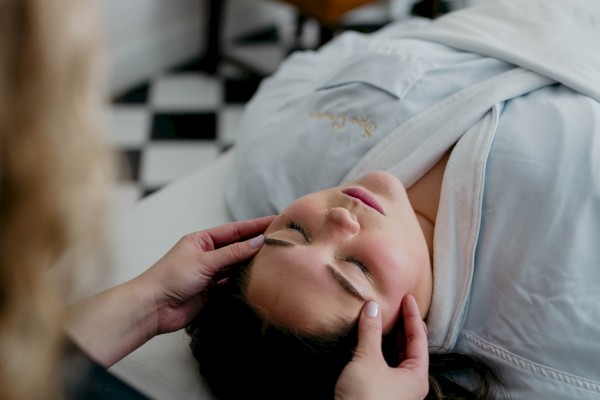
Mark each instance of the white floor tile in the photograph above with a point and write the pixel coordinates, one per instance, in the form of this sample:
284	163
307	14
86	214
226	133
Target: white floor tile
185	92
265	58
164	162
129	126
229	120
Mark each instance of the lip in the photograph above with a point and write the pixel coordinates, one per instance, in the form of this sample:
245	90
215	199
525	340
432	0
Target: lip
365	197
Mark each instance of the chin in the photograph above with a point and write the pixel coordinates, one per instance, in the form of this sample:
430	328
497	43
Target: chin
382	183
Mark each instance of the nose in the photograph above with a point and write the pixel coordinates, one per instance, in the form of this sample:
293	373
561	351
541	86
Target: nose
342	220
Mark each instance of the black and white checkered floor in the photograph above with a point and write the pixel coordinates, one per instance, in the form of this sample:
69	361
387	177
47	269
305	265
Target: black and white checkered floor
177	123
183	118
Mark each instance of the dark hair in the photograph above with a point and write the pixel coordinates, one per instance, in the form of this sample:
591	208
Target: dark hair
241	355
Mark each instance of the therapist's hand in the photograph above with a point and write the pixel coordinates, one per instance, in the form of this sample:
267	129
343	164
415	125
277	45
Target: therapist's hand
368	375
164	298
177	281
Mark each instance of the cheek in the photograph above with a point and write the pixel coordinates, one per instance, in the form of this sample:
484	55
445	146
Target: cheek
389	264
396	273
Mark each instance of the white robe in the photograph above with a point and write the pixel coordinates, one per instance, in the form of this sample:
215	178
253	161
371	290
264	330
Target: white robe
515	85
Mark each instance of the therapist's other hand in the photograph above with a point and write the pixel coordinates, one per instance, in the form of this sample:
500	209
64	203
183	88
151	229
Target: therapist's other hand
177	280
368	376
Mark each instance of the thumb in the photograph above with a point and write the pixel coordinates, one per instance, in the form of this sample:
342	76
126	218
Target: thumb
369	330
234	253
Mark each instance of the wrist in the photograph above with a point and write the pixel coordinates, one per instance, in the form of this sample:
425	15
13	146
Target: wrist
146	308
113	323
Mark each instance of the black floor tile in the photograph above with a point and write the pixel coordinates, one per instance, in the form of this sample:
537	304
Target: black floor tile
137	95
240	90
268	34
365	28
184	126
193	65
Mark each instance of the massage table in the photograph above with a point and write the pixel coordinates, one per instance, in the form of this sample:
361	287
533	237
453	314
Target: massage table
164	367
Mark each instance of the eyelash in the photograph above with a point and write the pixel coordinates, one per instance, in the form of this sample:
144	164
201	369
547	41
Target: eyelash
300	228
361	265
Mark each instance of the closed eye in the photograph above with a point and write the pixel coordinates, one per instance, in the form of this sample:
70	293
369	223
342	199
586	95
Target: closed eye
300	228
361	265
295	225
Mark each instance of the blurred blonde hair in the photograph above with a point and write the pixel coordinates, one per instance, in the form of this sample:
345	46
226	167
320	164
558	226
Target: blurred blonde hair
54	172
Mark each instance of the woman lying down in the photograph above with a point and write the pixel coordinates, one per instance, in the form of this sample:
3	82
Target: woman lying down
457	161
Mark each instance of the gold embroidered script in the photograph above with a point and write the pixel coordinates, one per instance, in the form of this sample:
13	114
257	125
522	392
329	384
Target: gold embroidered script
338	121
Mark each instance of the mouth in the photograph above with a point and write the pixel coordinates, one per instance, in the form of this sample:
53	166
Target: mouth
365	197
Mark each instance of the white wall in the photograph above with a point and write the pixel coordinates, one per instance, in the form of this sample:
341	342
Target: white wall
145	36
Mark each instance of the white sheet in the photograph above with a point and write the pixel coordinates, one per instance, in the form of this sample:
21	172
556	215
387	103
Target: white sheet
555	38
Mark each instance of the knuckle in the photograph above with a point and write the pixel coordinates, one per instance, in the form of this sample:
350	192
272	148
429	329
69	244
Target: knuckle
236	232
370	327
199	240
371	330
236	250
369	335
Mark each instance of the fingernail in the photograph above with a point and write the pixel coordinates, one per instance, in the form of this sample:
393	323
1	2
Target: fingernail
257	242
372	309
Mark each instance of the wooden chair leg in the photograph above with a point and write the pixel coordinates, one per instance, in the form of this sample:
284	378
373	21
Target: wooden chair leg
427	8
325	34
213	21
300	22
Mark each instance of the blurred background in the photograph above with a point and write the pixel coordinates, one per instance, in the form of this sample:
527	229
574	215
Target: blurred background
182	70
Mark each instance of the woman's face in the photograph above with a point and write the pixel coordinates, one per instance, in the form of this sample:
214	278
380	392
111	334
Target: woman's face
331	251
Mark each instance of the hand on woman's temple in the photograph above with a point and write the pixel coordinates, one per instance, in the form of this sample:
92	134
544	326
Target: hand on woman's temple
167	296
196	261
368	375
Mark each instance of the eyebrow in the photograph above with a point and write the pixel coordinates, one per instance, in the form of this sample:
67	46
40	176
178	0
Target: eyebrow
344	283
277	242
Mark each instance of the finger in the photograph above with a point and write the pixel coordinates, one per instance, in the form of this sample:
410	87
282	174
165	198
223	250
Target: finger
369	330
217	260
417	353
226	234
